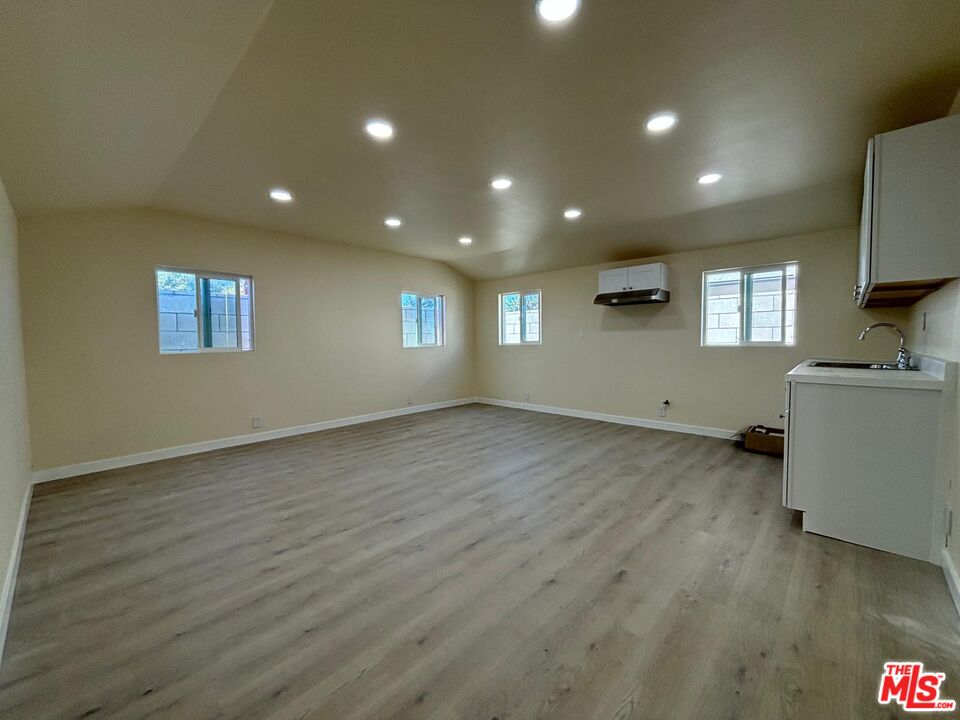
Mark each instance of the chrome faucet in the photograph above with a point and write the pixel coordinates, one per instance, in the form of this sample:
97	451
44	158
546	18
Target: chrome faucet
903	355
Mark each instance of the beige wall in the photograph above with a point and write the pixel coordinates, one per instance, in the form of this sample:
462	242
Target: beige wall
942	339
935	330
632	358
327	334
14	433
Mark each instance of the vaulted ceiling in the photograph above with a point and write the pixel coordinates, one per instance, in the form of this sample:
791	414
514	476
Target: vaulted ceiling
202	106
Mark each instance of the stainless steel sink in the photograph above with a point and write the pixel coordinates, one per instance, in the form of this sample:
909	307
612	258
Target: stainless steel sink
856	365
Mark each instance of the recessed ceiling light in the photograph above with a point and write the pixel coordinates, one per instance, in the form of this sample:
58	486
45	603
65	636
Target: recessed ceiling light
660	122
466	240
380	130
281	196
393	222
501	182
572	213
709	178
557	11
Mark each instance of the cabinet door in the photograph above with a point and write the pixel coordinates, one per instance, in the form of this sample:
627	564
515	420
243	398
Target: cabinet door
643	277
612	281
916	198
787	498
866	231
863	465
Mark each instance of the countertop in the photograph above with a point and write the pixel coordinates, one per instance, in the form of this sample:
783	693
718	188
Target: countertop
929	377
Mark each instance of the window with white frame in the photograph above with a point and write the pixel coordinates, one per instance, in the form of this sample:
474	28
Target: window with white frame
520	318
421	319
201	311
750	306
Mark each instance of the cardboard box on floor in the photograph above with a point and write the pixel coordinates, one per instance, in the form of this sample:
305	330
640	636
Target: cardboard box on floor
761	439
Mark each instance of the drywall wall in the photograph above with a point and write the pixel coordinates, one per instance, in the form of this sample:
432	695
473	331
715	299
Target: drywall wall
327	323
935	330
629	359
14	431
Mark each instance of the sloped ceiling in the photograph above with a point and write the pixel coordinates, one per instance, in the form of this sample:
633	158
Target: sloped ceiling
98	98
201	107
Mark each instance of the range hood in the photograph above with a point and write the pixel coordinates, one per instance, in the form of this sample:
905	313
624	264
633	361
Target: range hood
637	285
633	297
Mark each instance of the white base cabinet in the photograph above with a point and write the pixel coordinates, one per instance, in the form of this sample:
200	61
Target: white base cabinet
861	463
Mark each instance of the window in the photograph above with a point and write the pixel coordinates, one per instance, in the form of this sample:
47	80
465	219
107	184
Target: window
422	320
750	306
520	318
198	311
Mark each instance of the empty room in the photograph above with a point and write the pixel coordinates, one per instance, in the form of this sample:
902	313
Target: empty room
443	359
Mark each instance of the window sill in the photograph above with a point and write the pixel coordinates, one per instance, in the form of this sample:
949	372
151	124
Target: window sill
209	351
750	345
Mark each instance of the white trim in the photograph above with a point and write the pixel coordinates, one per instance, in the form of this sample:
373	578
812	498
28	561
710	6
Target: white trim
620	419
58	473
743	300
523	315
67	471
440	319
10	580
952	576
198	310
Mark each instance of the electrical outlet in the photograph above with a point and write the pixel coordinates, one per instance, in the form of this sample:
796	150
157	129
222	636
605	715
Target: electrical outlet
662	410
525	397
257	422
409	399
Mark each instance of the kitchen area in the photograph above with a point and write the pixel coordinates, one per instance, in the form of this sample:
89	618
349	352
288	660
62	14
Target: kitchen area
870	447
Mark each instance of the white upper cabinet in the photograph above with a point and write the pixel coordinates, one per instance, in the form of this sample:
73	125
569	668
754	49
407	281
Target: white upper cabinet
910	222
637	277
637	285
644	277
616	280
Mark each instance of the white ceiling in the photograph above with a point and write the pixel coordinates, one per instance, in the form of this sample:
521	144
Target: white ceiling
201	107
98	98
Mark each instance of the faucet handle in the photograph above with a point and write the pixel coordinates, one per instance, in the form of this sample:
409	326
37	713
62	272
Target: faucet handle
904	357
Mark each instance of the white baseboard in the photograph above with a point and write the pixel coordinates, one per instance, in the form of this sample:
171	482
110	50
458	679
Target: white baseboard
952	576
620	419
58	473
85	468
10	579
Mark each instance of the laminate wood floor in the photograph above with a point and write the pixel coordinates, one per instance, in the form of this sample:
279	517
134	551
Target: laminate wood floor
475	562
